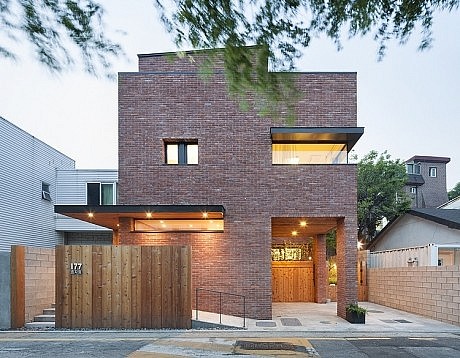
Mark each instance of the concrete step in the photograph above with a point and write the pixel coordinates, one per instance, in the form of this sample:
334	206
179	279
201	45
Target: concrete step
45	318
49	311
39	325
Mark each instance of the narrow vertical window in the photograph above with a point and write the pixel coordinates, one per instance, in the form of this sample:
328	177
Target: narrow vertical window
433	172
46	194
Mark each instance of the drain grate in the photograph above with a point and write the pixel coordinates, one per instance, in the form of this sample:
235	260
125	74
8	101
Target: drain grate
402	321
388	320
273	346
265	324
290	322
374	311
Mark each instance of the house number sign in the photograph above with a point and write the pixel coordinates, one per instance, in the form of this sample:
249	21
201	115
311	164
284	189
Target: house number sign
76	268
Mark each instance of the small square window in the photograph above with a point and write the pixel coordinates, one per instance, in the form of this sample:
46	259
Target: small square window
413	190
46	195
182	153
433	172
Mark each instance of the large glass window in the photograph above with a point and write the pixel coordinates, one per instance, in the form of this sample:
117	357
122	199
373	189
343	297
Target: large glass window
202	225
309	153
181	153
100	194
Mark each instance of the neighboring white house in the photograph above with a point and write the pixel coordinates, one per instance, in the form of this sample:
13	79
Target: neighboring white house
422	227
85	187
33	178
451	204
28	188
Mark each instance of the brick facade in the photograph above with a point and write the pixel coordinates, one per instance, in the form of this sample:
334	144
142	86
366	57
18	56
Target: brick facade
168	100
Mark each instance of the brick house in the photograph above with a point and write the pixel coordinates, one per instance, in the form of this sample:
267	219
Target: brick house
426	183
248	193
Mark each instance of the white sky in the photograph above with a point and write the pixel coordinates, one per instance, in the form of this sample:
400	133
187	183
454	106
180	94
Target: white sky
409	103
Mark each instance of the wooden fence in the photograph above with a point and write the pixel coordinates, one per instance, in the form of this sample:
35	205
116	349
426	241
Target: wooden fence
123	287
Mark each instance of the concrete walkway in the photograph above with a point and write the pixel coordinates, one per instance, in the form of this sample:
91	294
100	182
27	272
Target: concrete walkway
313	317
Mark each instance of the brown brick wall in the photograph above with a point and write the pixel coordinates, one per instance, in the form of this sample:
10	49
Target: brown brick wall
39	266
432	292
234	170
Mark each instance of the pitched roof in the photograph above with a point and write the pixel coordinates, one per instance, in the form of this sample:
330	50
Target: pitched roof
428	159
447	217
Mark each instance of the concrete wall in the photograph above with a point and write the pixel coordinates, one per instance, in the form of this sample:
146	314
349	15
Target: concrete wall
432	292
39	280
5	290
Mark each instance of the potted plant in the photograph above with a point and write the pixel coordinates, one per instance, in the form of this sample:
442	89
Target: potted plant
355	313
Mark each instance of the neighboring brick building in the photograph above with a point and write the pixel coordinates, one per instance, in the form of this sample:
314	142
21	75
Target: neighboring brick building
240	188
426	185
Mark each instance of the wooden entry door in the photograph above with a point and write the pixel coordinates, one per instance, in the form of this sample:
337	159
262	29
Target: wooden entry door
293	281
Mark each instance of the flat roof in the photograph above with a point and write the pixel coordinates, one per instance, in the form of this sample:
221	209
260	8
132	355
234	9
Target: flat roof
349	135
109	215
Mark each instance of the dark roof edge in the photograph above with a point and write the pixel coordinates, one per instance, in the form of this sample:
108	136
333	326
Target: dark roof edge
443	221
137	208
428	159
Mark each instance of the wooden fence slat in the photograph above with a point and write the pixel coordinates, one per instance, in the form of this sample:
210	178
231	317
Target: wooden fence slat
59	272
18	307
97	287
116	286
126	287
106	286
157	287
136	300
87	286
185	287
146	289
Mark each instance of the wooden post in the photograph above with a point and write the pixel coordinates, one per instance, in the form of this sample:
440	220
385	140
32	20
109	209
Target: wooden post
18	310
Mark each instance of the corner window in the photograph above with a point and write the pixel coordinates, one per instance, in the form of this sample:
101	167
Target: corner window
181	153
309	153
46	194
413	168
433	172
100	193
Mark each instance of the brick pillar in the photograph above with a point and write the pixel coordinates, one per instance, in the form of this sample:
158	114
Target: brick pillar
347	285
319	258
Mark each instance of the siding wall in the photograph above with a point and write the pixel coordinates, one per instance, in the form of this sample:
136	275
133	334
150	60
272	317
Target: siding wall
25	161
168	100
71	190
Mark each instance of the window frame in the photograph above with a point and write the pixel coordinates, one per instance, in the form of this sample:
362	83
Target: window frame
433	170
413	190
183	147
46	192
100	184
342	151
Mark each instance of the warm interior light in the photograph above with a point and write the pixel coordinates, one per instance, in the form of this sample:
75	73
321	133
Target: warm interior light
303	223
294	233
149	215
90	215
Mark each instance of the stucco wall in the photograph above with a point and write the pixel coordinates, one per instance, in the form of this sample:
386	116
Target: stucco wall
432	292
414	231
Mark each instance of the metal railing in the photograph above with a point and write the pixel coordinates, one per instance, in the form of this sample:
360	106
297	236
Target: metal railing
220	293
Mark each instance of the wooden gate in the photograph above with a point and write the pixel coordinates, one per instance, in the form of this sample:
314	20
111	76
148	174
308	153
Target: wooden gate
123	287
292	281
